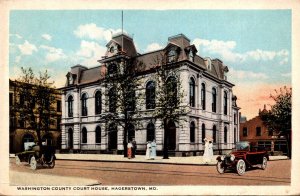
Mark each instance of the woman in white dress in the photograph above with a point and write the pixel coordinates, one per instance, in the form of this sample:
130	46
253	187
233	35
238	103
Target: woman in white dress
208	151
148	150
153	150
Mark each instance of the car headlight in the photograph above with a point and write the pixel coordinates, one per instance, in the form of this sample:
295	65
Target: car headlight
232	157
222	158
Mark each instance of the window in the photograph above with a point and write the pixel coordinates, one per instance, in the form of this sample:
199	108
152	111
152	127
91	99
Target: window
203	96
84	135
215	134
245	132
130	98
234	135
98	135
191	56
150	132
258	131
225	102
225	135
58	123
70	106
83	105
131	132
234	119
10	99
112	69
98	103
172	91
58	106
22	99
112	100
171	56
150	95
192	132
214	100
203	132
264	145
280	146
192	92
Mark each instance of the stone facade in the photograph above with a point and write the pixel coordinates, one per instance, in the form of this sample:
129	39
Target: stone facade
187	66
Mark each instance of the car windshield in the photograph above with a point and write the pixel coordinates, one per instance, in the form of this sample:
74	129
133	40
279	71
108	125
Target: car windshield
242	146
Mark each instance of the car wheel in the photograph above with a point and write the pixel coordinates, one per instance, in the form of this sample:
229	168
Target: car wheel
241	167
18	161
220	167
33	163
264	163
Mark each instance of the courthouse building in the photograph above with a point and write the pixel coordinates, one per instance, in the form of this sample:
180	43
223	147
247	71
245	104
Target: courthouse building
207	91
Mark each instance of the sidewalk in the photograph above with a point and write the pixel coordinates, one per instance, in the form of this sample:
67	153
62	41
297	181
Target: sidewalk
37	179
192	160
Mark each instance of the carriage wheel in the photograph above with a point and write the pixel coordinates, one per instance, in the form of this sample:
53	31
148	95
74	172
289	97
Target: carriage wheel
241	167
18	161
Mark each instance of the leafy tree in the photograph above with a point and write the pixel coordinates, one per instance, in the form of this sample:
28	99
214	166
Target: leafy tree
169	95
278	119
121	83
37	95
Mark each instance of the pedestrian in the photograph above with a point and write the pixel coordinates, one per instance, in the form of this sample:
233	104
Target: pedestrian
129	150
208	151
153	150
148	150
133	147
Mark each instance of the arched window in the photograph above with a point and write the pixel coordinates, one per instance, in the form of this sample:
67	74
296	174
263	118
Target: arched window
192	92
150	132
203	132
83	105
215	134
98	102
192	132
131	132
84	135
225	135
234	135
112	69
214	100
203	96
98	135
225	103
150	95
70	106
172	91
130	98
112	99
171	56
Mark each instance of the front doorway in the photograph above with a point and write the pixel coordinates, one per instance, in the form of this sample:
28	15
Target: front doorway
171	135
112	137
70	136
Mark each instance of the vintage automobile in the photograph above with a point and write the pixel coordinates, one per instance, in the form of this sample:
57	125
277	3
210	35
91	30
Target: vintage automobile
35	155
244	156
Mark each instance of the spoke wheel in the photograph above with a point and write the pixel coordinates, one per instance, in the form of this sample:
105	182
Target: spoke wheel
220	168
18	161
264	163
33	163
241	167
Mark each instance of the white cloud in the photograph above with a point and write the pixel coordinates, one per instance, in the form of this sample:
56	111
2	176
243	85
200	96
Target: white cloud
27	48
226	51
18	59
241	74
90	52
286	74
47	37
53	54
16	35
153	46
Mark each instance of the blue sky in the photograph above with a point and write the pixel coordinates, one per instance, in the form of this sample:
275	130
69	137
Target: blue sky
254	44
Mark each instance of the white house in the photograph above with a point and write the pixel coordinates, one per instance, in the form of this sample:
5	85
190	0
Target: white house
213	109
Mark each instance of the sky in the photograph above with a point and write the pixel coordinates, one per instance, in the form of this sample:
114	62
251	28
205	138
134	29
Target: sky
254	44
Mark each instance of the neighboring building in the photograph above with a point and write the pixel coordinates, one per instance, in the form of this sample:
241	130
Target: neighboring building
256	132
213	109
20	131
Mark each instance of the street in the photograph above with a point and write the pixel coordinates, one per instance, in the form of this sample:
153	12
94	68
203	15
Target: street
119	173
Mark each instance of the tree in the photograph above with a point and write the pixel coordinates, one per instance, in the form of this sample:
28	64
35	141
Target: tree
169	95
278	119
37	96
121	83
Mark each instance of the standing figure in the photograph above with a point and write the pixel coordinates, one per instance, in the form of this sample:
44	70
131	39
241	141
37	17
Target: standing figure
133	148
148	150
153	150
129	150
210	150
206	155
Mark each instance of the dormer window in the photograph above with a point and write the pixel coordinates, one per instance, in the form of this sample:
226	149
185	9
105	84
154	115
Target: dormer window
70	79
191	56
171	56
112	49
